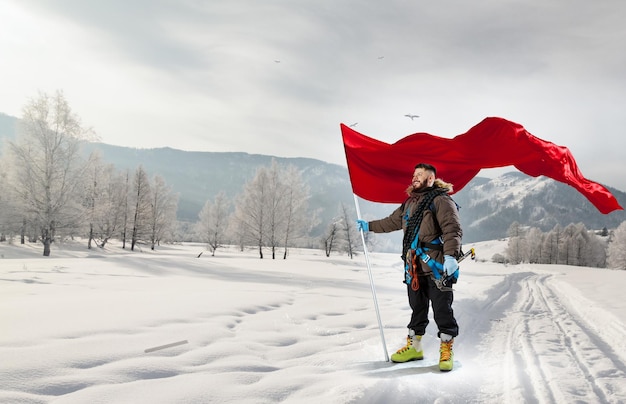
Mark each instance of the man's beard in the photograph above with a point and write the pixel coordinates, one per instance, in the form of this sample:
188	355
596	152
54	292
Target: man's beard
416	186
419	185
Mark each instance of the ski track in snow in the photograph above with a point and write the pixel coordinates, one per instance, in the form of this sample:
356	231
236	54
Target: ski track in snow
543	337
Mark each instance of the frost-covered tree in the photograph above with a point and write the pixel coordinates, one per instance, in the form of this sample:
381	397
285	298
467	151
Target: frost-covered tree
298	220
594	252
126	209
349	231
581	247
617	248
237	231
213	221
551	246
516	250
251	209
162	213
105	197
569	249
47	167
534	244
272	208
573	245
275	205
141	209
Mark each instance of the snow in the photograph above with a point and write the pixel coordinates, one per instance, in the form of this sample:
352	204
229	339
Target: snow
76	327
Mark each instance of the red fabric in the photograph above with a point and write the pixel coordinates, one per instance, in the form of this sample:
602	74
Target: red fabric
381	172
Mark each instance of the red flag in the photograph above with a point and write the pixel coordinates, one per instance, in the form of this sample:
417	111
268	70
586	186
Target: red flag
381	172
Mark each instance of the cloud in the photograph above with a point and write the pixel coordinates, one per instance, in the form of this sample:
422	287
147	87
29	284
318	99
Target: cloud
205	76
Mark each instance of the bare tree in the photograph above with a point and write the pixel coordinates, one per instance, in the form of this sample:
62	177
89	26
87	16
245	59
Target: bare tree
92	195
251	210
126	210
275	205
141	206
569	248
617	248
349	230
330	236
273	208
105	196
551	246
162	210
237	231
114	205
516	250
534	243
594	251
48	168
213	221
298	220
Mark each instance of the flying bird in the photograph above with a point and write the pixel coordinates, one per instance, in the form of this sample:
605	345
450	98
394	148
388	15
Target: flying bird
412	116
381	57
353	125
276	61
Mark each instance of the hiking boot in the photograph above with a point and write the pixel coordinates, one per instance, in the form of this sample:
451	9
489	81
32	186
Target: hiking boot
446	356
412	351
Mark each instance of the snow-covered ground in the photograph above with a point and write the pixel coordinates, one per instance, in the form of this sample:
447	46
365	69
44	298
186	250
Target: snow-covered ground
93	326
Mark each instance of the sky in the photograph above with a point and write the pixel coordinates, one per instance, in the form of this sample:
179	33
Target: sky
114	326
278	77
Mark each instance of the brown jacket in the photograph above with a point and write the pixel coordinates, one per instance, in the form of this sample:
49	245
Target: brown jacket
446	224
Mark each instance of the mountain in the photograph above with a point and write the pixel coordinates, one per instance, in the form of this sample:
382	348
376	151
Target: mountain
7	127
488	206
199	176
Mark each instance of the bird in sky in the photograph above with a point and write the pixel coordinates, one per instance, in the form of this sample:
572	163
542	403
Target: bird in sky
353	125
412	116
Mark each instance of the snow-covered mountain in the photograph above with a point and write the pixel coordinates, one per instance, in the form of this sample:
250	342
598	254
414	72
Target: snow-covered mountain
489	206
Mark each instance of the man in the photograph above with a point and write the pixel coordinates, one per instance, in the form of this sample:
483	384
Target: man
432	242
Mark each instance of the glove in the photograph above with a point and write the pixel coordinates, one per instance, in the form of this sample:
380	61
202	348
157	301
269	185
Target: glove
362	225
450	264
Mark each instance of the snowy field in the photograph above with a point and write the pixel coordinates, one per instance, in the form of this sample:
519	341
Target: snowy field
113	326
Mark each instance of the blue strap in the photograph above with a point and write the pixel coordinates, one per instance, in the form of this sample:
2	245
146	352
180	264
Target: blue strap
435	267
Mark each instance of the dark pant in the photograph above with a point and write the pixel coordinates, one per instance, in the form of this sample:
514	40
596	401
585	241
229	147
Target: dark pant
442	308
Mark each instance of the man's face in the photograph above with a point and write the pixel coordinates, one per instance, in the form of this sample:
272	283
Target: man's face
422	179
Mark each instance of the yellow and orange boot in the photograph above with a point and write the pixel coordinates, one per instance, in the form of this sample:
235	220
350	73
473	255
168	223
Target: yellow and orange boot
446	356
411	351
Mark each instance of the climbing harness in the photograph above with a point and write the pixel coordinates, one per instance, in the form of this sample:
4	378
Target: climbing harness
414	250
442	279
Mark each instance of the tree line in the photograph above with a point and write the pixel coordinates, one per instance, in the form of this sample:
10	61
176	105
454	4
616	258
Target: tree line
48	191
573	245
272	213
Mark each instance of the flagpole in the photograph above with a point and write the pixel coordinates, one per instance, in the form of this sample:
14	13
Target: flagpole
369	272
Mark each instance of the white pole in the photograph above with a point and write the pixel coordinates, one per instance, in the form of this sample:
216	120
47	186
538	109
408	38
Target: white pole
369	272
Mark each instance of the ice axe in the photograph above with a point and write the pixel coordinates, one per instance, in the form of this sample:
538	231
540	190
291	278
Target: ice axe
447	282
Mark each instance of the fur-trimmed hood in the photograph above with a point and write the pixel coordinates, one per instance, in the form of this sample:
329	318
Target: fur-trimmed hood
439	183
